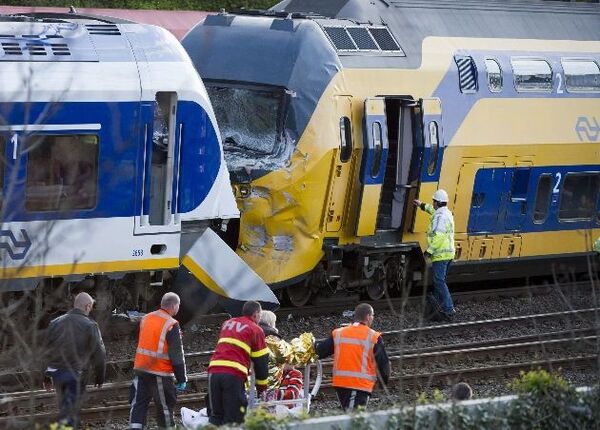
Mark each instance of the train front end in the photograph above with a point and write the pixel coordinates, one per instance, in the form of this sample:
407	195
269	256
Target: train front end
265	76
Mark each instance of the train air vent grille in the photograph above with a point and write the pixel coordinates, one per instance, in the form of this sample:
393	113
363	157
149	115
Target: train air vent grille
384	39
35	49
467	74
11	48
357	39
340	38
362	38
60	49
104	29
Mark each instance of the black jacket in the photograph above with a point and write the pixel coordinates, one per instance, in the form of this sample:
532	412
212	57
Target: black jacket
269	331
74	342
176	355
325	348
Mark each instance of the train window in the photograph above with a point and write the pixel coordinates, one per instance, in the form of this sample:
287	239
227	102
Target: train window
494	75
345	139
579	196
377	150
477	200
532	75
542	199
467	74
62	172
520	184
435	144
162	152
251	120
581	75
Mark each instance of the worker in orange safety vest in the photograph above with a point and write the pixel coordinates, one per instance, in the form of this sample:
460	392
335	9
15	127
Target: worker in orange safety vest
358	357
159	363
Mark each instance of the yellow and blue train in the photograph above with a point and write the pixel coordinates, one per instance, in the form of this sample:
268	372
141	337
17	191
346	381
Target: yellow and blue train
336	115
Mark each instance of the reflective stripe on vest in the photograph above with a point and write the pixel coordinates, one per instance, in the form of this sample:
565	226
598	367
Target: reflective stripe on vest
235	342
229	363
152	352
361	377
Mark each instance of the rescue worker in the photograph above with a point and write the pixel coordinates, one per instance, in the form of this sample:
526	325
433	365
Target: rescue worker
241	343
158	361
358	357
73	342
440	249
462	391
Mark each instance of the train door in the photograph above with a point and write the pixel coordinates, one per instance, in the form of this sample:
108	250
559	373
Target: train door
341	167
476	207
516	198
431	149
157	194
372	168
400	172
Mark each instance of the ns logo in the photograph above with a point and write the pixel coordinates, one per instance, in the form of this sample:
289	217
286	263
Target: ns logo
15	248
587	129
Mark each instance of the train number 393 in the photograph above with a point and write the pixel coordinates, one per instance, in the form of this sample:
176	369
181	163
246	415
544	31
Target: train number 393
137	253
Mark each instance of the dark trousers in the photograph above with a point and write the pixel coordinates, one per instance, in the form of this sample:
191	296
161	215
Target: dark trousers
146	387
227	399
350	399
70	389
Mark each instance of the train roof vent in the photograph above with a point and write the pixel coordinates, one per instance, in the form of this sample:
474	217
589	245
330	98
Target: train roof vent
340	38
363	39
35	48
467	73
11	48
60	49
104	29
384	39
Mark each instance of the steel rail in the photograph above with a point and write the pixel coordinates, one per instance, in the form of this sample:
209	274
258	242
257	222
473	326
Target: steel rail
120	409
121	369
13	403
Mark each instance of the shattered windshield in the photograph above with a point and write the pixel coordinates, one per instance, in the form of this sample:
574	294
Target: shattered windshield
251	124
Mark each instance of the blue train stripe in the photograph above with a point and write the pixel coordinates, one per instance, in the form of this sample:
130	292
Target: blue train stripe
119	127
504	200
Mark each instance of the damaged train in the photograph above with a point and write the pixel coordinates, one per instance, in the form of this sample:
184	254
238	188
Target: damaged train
335	115
112	170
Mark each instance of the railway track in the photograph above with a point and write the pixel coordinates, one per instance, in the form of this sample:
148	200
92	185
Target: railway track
121	369
450	362
119	409
338	305
120	328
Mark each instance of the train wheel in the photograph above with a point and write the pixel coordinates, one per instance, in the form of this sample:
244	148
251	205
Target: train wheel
376	290
298	295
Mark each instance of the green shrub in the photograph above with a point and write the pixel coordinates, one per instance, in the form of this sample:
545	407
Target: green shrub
546	402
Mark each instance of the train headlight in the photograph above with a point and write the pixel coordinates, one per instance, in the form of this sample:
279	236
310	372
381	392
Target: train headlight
244	191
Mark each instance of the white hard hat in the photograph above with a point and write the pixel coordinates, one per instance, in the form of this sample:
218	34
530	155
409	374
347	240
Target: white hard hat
440	196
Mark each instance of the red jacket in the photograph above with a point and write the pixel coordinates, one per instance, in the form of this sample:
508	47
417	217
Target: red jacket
241	343
291	386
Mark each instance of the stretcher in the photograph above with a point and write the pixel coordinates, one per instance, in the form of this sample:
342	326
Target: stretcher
301	404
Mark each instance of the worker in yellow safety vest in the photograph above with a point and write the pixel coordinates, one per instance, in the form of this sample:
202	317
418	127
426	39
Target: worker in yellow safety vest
358	357
440	250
